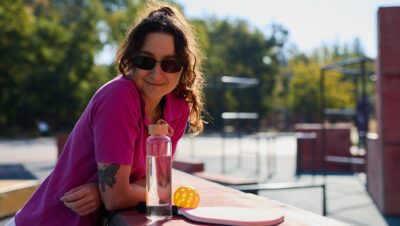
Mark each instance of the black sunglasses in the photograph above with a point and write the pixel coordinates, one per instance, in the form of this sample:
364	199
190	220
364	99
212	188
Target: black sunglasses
171	65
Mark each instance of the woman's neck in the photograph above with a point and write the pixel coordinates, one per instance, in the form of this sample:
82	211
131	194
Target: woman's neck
153	110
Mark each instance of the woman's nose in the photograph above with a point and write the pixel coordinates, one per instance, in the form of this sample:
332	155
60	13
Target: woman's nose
156	71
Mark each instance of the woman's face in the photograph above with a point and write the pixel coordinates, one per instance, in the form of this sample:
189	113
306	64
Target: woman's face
154	83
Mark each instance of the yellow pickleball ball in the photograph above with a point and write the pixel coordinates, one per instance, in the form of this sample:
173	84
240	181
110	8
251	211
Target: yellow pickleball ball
186	197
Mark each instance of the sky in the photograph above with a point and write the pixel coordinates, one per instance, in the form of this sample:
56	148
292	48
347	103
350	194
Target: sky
311	23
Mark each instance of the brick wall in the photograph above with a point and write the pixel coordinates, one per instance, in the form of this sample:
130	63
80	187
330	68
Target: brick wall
384	187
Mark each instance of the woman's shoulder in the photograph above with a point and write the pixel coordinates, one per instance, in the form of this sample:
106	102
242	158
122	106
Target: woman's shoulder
119	82
119	86
118	97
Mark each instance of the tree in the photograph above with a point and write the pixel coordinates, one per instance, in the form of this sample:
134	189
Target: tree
67	40
304	86
15	30
48	51
236	49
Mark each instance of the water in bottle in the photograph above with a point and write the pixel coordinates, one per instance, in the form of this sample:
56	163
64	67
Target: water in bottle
158	173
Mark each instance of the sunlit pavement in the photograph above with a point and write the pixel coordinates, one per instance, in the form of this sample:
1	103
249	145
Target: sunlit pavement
347	198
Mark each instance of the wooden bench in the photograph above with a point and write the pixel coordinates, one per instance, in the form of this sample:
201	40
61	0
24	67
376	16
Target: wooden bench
188	165
255	188
14	194
226	180
196	167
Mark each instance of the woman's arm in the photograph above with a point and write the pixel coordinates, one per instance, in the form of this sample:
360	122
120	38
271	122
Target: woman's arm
85	199
115	190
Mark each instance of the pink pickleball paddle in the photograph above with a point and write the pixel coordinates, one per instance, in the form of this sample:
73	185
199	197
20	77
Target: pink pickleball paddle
233	215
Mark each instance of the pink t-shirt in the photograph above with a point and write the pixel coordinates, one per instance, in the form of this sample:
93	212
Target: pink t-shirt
112	129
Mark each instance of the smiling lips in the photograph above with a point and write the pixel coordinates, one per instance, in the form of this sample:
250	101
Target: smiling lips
154	84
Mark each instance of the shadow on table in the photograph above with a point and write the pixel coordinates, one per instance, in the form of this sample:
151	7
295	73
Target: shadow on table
14	172
392	221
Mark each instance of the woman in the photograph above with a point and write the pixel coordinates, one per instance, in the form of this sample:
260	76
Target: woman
105	153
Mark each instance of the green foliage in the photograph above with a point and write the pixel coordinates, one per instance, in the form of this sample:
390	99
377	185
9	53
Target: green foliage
304	96
16	28
46	54
233	48
121	14
304	86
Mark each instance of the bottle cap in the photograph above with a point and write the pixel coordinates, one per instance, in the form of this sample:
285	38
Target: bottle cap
158	129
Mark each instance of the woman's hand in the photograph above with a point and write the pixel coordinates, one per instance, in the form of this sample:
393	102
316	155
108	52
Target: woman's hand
84	199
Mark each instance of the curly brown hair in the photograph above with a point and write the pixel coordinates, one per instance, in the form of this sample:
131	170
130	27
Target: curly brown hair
168	19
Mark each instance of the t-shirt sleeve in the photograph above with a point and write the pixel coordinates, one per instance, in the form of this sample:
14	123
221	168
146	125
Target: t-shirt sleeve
115	124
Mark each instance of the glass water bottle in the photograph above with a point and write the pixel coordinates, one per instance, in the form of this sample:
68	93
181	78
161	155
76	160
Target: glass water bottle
158	173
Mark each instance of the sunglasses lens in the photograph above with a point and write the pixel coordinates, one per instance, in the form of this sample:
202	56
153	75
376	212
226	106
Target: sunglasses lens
171	65
144	62
148	63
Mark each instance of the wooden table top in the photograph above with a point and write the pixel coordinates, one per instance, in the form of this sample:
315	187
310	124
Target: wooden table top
213	194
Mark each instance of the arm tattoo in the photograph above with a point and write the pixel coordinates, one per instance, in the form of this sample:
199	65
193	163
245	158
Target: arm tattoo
107	176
